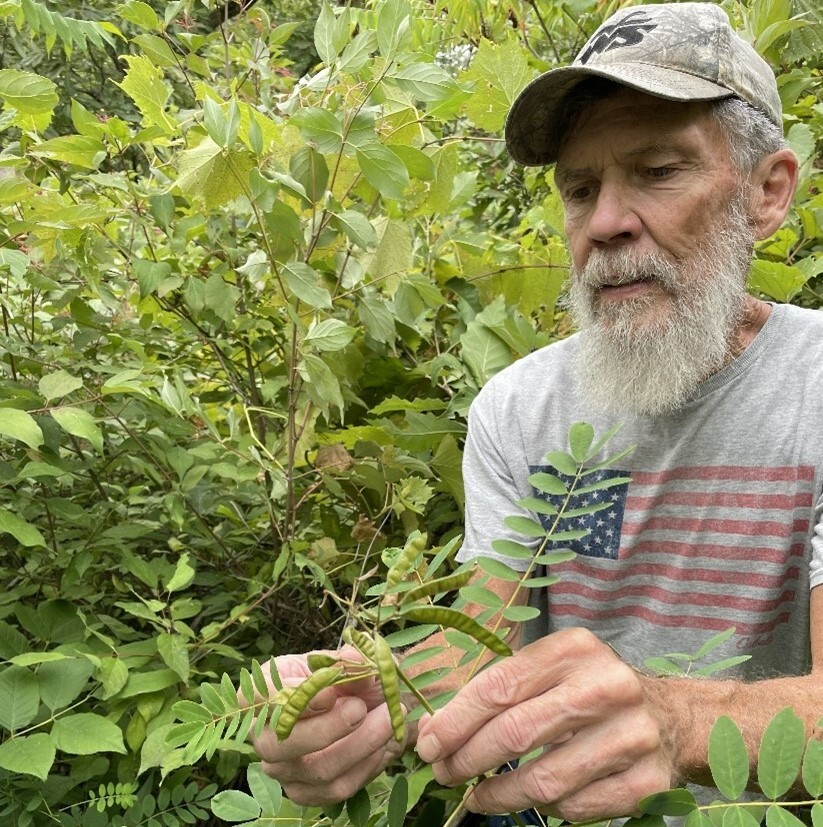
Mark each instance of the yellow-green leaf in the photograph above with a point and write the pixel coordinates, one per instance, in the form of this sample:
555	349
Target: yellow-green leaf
29	754
28	93
21	426
25	533
79	423
145	86
499	72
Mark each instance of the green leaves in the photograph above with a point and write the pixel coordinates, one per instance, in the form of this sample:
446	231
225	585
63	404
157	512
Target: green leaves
27	92
19	697
780	754
24	532
21	426
80	423
212	174
498	72
144	84
86	733
383	169
728	758
331	34
28	754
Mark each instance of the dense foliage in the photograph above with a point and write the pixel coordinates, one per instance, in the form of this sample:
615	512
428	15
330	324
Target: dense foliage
256	259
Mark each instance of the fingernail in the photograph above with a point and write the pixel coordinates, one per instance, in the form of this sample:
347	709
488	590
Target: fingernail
428	748
352	711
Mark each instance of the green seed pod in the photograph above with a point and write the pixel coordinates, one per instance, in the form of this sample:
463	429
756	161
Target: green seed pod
361	641
316	661
387	671
302	696
457	620
450	583
415	546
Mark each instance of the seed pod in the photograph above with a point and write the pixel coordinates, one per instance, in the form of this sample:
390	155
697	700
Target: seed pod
302	696
415	546
451	582
317	660
361	641
457	620
387	671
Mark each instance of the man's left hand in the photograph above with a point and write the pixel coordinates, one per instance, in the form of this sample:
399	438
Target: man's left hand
570	694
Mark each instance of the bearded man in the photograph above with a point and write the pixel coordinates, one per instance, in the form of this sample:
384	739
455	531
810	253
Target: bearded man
666	135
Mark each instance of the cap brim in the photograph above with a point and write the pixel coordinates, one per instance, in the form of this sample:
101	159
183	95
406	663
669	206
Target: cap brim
532	131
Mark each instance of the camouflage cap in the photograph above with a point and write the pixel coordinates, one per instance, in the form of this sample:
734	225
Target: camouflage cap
677	51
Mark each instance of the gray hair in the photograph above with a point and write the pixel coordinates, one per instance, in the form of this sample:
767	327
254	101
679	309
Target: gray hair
750	135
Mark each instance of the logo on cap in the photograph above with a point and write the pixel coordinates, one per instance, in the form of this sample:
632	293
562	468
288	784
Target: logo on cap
628	32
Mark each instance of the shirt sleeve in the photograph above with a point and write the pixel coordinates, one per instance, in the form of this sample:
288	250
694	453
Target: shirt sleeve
495	477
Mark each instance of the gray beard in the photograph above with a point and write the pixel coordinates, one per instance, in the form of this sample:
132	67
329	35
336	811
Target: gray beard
652	366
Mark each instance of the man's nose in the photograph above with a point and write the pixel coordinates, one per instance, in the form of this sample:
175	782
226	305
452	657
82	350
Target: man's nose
613	219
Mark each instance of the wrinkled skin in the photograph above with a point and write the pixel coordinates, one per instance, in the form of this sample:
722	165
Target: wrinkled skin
571	695
341	741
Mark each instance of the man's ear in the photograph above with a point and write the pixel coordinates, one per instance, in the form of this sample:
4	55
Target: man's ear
773	182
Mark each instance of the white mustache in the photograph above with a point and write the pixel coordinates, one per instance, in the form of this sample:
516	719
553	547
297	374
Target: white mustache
613	269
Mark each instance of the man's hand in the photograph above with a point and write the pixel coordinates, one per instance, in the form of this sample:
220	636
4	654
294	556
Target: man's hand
571	695
342	740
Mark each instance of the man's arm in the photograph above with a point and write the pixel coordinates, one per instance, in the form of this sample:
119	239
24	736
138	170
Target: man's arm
610	735
687	712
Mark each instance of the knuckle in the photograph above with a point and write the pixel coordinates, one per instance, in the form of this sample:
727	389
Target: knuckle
515	732
543	785
495	688
317	770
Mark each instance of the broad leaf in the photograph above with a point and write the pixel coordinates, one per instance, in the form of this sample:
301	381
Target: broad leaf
384	169
266	790
28	754
24	532
80	423
781	753
144	84
87	734
26	92
58	384
234	806
728	758
21	426
19	697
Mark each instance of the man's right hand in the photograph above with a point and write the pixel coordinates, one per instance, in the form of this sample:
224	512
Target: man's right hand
342	740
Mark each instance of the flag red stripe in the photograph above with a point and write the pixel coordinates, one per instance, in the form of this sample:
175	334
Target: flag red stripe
721	499
737	473
715	624
694	551
747	528
675	574
699	599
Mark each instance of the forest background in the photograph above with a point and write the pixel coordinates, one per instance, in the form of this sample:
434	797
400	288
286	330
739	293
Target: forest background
255	264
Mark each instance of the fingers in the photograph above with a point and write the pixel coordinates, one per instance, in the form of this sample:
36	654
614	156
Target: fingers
597	773
531	672
571	695
348	753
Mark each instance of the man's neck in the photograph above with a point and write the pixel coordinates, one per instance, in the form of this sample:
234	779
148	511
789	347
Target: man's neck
754	317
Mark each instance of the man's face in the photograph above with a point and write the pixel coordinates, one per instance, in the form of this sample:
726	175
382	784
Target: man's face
660	241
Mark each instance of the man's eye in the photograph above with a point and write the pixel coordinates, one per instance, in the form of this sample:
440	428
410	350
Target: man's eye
659	172
578	193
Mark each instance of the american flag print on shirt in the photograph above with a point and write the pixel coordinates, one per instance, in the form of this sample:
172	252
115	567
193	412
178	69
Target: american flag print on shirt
701	547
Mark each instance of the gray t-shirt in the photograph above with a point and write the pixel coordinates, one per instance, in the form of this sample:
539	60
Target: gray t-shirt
720	525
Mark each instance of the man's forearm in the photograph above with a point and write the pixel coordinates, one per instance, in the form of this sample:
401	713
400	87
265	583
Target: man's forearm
687	709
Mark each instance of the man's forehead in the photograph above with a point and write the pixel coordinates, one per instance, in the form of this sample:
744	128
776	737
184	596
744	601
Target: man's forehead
643	123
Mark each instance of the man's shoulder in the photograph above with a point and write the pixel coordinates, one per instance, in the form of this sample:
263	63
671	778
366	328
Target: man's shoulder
798	326
554	358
